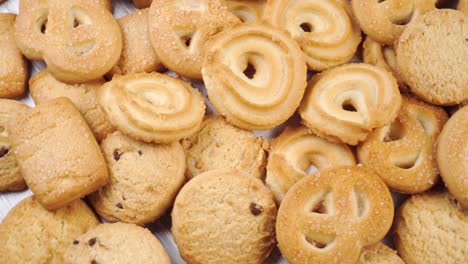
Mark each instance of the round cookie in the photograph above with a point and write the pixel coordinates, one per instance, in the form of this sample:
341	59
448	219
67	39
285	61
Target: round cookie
224	216
144	179
430	228
247	10
379	254
116	243
432	57
463	6
31	234
219	145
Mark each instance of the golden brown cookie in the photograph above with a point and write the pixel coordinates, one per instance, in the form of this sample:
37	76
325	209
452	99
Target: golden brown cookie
224	216
142	3
379	254
249	11
463	6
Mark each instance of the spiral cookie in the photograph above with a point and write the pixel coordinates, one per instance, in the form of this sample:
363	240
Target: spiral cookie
379	254
384	21
347	102
255	75
79	40
250	11
324	28
179	31
403	152
294	151
152	107
328	217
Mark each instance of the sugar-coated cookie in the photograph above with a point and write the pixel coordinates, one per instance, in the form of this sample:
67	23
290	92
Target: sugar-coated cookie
57	153
247	10
31	234
116	243
379	254
219	145
144	179
224	216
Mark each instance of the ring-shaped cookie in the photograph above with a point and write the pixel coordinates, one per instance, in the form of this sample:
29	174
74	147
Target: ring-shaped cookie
247	10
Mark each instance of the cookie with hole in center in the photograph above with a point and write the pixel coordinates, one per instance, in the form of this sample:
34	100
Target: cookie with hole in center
379	254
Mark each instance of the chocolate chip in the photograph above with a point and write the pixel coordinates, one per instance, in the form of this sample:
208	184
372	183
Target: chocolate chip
256	209
117	155
139	152
3	151
76	242
94	262
119	205
92	241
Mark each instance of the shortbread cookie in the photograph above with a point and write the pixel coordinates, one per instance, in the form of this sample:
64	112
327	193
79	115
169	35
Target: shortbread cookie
384	21
325	29
219	145
179	32
247	10
403	152
144	179
31	234
255	75
432	57
294	151
57	153
452	155
44	87
430	228
79	40
224	216
137	53
116	243
328	217
347	102
142	3
379	254
152	107
463	6
13	69
10	175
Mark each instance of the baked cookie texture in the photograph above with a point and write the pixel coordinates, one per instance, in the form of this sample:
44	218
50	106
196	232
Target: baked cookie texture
44	87
219	145
463	6
431	57
142	3
117	243
32	234
224	216
431	227
57	153
379	254
14	69
246	10
144	179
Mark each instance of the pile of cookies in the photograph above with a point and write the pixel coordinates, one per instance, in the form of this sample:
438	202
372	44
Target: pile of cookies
370	95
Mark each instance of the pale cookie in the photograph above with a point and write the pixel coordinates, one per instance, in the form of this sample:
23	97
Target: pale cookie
31	234
430	228
452	155
328	217
224	216
463	6
10	175
144	179
432	57
117	243
44	87
219	145
249	11
57	153
379	254
294	151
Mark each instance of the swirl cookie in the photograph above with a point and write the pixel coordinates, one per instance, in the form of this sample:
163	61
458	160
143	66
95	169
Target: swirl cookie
255	75
435	80
247	10
32	234
384	21
144	179
79	40
116	243
13	70
452	155
294	151
429	228
224	216
10	175
219	145
179	31
328	217
325	29
44	87
379	254
403	152
152	107
347	102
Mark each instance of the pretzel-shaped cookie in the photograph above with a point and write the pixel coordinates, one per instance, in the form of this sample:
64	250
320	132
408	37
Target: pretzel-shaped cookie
255	75
247	10
294	151
79	40
403	153
152	107
328	217
347	102
324	28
